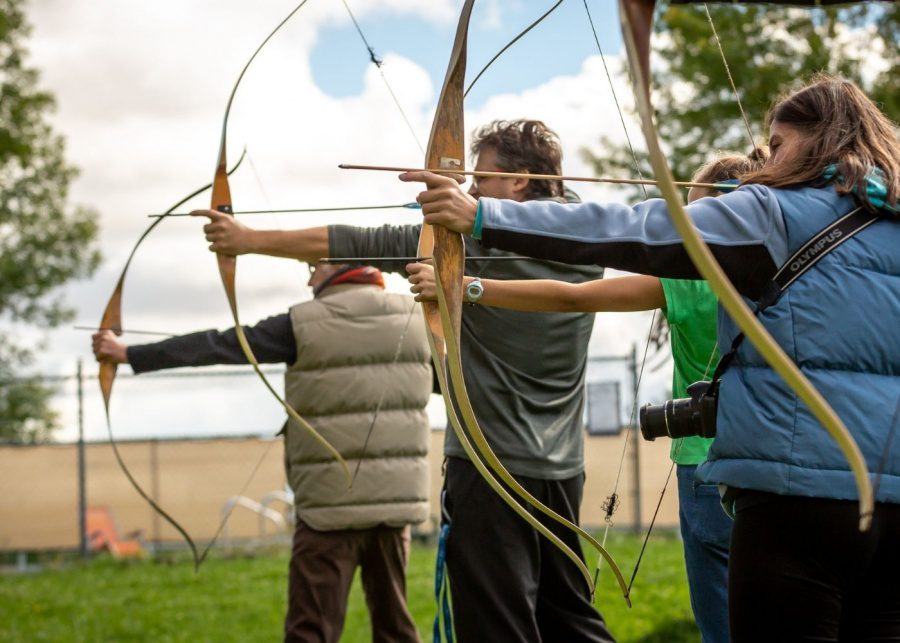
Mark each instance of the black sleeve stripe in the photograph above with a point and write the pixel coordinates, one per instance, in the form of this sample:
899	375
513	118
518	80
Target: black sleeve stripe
670	261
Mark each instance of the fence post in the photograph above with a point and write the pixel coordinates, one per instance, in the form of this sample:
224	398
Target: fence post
635	385
82	492
154	491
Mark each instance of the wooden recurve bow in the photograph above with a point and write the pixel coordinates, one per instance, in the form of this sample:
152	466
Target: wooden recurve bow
112	320
446	150
637	25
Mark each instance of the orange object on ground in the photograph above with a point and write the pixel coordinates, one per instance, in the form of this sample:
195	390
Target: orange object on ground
102	533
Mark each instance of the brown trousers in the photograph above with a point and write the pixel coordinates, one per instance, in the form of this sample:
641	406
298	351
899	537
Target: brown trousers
321	571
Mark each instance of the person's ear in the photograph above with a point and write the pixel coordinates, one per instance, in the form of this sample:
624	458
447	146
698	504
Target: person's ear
520	187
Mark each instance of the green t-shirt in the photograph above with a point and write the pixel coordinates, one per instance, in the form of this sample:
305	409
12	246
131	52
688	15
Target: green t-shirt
691	310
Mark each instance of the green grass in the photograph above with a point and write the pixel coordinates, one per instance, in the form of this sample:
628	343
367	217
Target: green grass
242	598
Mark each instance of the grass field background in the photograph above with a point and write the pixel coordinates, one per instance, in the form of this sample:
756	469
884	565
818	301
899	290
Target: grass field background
242	598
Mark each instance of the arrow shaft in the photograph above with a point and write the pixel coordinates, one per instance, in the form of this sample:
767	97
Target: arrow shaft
721	187
407	206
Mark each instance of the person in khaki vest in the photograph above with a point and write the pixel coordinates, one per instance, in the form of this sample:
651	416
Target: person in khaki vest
358	365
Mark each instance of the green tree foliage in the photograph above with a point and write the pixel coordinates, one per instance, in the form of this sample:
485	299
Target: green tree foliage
769	51
887	86
44	242
25	413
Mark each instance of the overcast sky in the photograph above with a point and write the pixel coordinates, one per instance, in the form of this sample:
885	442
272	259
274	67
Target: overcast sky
141	90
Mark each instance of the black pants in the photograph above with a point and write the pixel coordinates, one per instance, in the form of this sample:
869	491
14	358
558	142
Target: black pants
507	582
800	570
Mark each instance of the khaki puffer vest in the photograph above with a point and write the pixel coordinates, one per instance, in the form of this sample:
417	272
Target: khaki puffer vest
347	340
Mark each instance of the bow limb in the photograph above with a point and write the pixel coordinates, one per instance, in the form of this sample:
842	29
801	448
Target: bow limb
637	21
112	319
221	201
446	150
112	314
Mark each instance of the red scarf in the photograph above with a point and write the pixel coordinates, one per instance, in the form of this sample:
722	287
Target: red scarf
356	275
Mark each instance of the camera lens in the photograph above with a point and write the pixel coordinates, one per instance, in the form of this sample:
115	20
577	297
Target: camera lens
653	422
674	419
694	415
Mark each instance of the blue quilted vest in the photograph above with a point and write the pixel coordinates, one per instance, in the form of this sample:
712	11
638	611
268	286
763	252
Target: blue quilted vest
840	322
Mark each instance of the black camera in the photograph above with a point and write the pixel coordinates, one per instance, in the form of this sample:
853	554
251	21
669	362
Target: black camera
694	415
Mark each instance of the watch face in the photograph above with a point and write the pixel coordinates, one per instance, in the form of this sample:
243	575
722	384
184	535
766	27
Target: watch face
474	291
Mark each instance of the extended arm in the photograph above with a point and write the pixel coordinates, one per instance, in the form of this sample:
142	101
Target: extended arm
229	236
742	228
272	340
625	294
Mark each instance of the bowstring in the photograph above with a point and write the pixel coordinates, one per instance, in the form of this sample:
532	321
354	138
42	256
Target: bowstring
379	63
611	503
274	214
227	515
522	33
734	90
637	564
384	389
612	87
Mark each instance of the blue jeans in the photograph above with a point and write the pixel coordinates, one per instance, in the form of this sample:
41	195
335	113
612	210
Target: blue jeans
706	531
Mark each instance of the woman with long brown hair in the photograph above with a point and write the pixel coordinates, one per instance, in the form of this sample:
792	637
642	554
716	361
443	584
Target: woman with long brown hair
800	569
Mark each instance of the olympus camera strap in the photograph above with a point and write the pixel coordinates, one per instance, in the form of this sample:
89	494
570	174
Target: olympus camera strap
807	256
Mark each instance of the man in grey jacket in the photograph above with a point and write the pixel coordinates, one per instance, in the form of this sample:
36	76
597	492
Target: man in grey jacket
507	582
358	371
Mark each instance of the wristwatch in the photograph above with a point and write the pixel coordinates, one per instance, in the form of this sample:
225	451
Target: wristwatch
474	291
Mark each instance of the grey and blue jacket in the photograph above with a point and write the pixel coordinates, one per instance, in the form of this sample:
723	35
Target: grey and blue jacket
838	322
